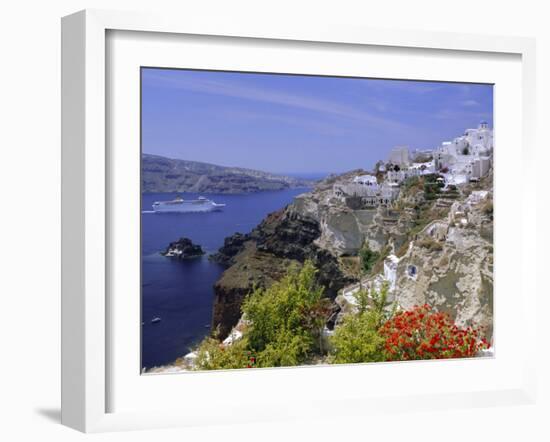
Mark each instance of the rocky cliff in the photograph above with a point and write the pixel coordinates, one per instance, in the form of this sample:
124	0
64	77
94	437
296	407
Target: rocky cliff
449	265
160	174
264	255
443	246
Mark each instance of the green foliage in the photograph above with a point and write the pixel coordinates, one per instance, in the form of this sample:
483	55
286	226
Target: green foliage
368	258
412	185
362	299
372	300
285	325
378	265
357	339
379	301
286	350
431	178
431	190
212	355
287	319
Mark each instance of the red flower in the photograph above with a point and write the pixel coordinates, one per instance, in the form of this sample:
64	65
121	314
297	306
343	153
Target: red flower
422	333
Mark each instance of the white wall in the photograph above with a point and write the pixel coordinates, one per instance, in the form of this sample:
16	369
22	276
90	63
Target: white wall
30	165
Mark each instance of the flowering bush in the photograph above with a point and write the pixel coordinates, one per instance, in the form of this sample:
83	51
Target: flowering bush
422	333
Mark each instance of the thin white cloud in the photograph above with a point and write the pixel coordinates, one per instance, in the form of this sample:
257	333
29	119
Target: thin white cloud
469	103
309	124
232	89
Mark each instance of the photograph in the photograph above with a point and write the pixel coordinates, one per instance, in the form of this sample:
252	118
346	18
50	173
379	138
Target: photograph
309	220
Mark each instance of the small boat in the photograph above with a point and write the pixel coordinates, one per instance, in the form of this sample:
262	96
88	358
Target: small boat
201	204
155	320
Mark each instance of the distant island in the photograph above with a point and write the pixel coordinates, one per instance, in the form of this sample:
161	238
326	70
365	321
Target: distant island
161	174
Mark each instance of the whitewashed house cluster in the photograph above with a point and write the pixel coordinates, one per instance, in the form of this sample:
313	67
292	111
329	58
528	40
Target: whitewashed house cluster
368	189
415	169
468	157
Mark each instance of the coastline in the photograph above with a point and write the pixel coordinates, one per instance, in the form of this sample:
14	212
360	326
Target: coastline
180	292
429	234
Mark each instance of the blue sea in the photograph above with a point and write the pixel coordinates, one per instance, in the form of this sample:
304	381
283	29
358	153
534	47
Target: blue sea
181	292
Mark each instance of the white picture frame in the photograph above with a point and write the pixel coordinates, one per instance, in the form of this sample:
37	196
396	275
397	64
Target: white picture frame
86	212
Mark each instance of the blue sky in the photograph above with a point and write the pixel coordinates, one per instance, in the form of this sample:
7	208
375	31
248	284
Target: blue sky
300	124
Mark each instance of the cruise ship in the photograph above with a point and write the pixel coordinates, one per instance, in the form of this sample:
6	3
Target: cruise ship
201	204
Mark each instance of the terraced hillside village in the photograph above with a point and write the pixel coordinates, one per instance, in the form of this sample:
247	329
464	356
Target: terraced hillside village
408	244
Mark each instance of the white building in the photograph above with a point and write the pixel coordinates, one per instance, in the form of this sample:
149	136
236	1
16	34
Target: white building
416	169
372	194
397	177
400	155
481	166
366	180
467	156
390	270
428	167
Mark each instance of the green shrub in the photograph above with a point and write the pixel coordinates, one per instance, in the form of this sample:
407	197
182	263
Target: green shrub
368	258
412	185
285	325
287	319
286	350
357	340
212	355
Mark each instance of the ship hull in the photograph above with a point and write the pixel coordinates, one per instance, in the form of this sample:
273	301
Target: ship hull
187	207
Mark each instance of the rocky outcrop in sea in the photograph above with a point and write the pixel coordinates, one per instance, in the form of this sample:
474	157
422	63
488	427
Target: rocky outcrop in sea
183	248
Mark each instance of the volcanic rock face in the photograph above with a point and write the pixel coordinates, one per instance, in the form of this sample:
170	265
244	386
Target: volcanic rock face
232	245
183	248
250	269
264	256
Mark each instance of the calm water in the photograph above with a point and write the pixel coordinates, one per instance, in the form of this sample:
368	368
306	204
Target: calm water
181	292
